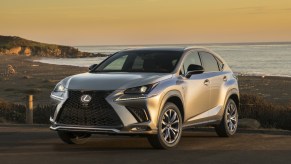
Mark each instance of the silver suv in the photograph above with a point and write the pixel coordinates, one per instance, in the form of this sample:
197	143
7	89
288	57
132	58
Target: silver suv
153	92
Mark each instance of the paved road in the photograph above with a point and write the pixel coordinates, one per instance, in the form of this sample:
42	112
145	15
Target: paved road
30	144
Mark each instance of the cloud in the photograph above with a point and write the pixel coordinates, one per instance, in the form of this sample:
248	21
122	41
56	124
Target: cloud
251	9
286	9
260	10
248	8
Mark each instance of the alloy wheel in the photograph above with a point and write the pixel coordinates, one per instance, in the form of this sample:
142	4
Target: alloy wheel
231	117
170	126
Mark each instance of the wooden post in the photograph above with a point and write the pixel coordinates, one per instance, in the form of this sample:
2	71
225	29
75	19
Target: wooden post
29	110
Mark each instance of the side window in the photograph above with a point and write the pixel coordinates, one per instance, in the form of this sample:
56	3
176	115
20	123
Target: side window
220	64
117	64
192	58
209	62
138	63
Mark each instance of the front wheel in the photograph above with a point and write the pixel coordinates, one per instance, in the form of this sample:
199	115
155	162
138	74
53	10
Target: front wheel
229	122
73	137
169	128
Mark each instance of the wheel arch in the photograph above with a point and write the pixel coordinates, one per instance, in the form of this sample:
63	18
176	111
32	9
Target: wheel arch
236	99
234	95
176	98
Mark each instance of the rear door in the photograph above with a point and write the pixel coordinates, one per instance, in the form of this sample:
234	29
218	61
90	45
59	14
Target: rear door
214	75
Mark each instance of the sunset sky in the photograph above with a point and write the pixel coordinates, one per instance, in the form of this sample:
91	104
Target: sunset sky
122	22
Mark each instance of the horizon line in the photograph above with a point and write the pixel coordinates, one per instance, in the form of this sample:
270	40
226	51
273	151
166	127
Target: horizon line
213	43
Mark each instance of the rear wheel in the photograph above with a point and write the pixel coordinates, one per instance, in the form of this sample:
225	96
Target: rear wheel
228	124
169	128
73	137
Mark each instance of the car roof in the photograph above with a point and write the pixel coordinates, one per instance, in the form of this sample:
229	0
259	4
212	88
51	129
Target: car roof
165	48
181	49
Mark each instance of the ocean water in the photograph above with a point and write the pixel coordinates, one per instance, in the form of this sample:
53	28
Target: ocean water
248	59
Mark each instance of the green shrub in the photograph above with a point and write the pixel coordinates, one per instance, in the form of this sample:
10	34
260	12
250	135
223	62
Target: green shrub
13	113
42	113
16	113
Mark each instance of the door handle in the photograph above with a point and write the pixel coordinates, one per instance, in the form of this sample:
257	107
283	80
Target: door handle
224	78
206	82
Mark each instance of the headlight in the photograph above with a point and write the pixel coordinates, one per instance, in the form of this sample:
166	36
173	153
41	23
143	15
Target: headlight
145	89
59	91
60	88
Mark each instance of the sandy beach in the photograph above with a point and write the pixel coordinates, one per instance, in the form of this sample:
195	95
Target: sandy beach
39	79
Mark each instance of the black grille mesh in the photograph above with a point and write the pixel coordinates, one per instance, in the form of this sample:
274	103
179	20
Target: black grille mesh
139	113
95	113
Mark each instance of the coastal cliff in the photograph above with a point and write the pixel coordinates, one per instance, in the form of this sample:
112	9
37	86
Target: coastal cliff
13	45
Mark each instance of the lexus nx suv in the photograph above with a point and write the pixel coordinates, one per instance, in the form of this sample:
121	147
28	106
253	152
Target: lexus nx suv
151	92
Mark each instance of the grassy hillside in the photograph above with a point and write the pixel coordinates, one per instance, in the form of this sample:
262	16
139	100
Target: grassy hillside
8	42
13	45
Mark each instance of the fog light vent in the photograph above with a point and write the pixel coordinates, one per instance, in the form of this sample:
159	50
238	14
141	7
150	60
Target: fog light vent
139	113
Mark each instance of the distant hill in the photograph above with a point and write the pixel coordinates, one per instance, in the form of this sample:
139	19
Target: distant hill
13	45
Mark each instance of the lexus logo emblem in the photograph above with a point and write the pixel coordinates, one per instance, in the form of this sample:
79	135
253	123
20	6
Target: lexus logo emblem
86	98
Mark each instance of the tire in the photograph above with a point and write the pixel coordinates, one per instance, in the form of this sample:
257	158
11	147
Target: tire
169	130
229	122
73	137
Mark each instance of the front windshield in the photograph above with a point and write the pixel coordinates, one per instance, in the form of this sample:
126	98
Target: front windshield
141	61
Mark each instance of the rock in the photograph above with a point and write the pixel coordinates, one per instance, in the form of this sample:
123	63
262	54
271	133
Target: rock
14	50
27	51
249	123
27	77
10	70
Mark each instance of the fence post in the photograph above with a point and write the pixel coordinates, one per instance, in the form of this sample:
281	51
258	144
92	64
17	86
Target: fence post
29	110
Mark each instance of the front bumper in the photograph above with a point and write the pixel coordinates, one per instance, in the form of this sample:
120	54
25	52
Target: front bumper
119	102
133	129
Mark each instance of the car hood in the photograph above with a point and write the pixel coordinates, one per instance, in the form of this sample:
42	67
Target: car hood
113	81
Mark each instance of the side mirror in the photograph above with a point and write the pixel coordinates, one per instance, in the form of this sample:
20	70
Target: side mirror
194	69
91	67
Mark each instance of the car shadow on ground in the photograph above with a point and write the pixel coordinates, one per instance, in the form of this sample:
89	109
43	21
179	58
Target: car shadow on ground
39	141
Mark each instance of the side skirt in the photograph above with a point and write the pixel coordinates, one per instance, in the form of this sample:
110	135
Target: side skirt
210	117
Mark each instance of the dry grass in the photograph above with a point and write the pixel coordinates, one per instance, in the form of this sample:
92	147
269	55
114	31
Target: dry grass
15	113
12	113
269	114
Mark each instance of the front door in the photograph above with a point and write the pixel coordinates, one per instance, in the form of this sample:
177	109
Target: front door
196	88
